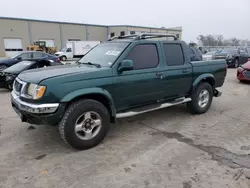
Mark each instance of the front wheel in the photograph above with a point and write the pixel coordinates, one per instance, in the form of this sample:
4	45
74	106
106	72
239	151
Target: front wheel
2	67
201	99
63	58
85	124
236	64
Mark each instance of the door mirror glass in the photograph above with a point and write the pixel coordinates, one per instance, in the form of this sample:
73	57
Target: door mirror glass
126	65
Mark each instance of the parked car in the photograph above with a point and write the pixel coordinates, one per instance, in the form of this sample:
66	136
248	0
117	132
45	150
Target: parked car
233	56
122	77
196	54
8	75
26	56
209	55
243	72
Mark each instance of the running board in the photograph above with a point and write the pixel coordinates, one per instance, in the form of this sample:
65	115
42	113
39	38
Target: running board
161	106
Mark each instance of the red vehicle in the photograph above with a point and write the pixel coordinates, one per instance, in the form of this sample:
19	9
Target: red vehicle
243	72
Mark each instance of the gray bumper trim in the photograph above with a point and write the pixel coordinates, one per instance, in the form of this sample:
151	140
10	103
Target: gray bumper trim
33	108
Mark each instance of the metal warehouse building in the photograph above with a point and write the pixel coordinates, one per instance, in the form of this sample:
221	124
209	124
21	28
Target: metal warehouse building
16	34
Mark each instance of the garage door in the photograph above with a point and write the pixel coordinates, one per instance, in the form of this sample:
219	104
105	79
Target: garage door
49	42
12	46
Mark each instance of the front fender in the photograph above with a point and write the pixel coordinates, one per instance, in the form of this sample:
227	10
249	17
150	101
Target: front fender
81	92
201	78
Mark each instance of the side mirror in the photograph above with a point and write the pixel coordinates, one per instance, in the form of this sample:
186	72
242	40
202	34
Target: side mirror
126	65
19	58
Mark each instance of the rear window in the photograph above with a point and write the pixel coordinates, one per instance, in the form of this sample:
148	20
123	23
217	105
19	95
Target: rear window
174	54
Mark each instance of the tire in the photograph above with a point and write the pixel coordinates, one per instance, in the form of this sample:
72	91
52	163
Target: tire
64	58
80	140
2	67
194	106
236	63
10	86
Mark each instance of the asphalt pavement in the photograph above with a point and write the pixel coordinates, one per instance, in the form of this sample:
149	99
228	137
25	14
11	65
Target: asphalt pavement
166	148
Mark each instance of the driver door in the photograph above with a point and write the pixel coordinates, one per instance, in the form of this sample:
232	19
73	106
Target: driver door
69	53
142	85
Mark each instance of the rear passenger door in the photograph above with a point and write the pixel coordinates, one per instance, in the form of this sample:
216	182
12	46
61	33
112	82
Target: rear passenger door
140	85
178	70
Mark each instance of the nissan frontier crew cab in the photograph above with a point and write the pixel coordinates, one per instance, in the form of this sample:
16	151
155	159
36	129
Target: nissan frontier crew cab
121	77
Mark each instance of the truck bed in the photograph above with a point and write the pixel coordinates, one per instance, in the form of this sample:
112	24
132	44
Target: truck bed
214	67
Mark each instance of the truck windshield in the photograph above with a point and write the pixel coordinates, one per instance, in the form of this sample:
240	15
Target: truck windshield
64	49
104	54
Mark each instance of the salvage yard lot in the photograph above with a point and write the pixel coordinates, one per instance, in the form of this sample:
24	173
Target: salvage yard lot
165	148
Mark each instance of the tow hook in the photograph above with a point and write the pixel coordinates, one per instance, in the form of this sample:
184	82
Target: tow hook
217	93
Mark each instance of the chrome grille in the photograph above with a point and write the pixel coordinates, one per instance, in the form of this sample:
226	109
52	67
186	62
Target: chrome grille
220	57
17	86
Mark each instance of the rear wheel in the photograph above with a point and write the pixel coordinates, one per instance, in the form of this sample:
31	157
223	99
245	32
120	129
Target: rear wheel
85	124
201	99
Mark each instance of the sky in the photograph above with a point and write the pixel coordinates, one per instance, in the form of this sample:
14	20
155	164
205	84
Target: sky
230	18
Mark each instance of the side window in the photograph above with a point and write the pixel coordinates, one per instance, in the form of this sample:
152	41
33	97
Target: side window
69	50
26	56
37	55
132	32
112	34
174	54
144	56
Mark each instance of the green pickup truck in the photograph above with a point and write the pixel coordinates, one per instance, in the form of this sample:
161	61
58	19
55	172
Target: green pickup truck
121	77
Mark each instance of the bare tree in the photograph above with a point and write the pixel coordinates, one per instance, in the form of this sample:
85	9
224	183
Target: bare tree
235	41
218	40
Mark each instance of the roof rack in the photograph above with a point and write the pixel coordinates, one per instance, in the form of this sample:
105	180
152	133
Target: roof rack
144	36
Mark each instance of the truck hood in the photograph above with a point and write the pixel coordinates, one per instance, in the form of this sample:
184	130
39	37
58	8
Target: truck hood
38	75
59	53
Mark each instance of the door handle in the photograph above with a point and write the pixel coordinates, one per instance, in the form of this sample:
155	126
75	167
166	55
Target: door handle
184	71
159	74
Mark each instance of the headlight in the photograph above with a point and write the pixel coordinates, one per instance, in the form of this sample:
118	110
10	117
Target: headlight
240	69
35	91
229	56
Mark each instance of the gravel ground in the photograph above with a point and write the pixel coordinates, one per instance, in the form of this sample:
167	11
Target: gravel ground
166	148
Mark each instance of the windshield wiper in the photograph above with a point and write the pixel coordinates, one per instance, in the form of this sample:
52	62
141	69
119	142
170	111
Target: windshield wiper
89	63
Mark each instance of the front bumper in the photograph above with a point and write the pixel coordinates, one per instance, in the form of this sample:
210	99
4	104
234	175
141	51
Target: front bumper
50	114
